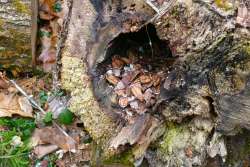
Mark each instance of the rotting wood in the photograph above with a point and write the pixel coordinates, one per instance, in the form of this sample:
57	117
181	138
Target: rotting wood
203	43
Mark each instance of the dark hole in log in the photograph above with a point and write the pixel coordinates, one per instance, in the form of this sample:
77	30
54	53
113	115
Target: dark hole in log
141	56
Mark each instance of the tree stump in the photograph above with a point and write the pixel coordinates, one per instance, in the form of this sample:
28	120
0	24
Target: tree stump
203	98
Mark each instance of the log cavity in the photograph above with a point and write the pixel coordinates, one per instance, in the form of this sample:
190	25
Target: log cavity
128	81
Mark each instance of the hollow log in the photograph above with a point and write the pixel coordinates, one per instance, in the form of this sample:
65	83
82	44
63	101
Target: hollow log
204	97
15	35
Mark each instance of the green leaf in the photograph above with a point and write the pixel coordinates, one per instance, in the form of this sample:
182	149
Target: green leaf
43	96
57	7
44	33
66	117
48	118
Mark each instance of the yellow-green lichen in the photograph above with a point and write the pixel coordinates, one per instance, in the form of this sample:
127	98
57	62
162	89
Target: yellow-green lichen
125	159
21	7
76	80
223	4
173	132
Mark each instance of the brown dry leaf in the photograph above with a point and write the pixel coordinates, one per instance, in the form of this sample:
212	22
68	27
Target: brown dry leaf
130	76
51	135
3	84
131	133
156	80
120	85
134	104
148	95
46	9
121	92
117	62
48	53
13	104
3	81
123	102
43	150
116	72
144	79
136	90
45	15
141	108
112	79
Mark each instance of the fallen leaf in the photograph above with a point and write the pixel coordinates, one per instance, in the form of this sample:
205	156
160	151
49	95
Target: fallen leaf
121	92
134	104
3	81
46	9
116	72
123	102
13	104
156	80
43	150
45	15
141	108
117	62
112	79
120	85
51	135
3	84
145	79
129	76
136	90
147	96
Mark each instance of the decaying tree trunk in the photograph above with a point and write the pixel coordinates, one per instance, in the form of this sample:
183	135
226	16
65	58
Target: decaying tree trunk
204	98
15	35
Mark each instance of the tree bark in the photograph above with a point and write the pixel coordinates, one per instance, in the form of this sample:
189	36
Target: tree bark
207	44
15	35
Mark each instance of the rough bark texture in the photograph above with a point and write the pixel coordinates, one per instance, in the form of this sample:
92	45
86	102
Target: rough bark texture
213	56
15	35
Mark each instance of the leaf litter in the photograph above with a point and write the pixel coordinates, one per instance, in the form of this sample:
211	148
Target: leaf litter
45	139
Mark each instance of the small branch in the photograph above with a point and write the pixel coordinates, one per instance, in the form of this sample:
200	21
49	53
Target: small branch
152	6
162	11
32	101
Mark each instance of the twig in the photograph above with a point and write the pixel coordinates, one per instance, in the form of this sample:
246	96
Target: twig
33	102
152	6
150	42
162	11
